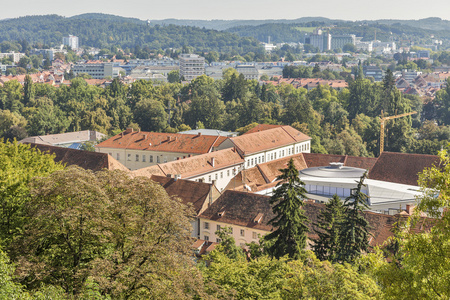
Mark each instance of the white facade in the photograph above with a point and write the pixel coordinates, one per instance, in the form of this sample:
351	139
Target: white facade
97	71
15	57
220	177
249	71
71	41
191	66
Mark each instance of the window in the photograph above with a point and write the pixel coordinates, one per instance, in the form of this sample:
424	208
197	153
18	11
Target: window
118	156
218	240
129	157
137	157
217	176
228	173
254	235
157	159
206	238
143	157
165	159
110	154
275	155
242	232
151	158
221	174
206	225
263	159
218	227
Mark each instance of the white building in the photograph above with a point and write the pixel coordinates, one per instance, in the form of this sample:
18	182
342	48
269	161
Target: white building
71	41
15	57
96	70
249	71
266	145
191	66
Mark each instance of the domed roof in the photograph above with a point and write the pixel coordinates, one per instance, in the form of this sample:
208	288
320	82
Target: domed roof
334	170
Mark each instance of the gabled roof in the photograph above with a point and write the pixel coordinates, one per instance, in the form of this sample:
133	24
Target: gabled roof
95	161
190	192
163	142
271	169
268	139
195	165
401	167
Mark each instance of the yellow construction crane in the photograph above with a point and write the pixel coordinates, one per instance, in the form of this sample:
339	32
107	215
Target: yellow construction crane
383	119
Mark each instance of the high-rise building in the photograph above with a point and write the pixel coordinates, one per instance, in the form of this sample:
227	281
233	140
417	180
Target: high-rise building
71	41
320	40
191	66
339	41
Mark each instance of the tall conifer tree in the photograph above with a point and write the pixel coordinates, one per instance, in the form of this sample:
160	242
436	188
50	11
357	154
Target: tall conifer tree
290	220
354	234
328	228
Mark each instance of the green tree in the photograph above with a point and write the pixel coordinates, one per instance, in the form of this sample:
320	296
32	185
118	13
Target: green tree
289	237
173	76
151	115
354	234
18	165
228	244
328	229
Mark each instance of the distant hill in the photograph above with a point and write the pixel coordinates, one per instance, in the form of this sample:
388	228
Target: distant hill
106	31
428	23
226	24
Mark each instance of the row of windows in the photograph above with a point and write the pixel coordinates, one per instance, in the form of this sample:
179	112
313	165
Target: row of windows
272	156
143	158
216	176
255	235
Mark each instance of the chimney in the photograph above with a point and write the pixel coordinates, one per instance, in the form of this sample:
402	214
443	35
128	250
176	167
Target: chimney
169	175
199	133
213	162
145	136
409	209
129	130
176	177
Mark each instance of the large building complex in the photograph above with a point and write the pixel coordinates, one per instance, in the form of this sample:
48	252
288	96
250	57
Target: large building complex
96	70
71	41
191	66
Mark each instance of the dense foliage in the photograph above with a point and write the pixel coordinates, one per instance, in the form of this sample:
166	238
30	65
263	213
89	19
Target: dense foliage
340	122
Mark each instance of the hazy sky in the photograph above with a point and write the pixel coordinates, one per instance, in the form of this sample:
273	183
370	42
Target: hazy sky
231	9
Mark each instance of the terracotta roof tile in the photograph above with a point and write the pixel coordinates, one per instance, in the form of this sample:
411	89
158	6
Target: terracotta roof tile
321	160
164	142
401	167
268	139
196	165
271	169
95	161
190	192
262	127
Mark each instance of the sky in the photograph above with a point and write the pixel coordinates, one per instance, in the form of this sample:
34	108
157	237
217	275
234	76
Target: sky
231	9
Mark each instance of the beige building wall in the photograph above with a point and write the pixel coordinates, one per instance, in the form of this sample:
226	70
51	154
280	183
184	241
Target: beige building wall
138	159
242	235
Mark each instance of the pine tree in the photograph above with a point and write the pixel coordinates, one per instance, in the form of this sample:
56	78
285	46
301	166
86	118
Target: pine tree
328	229
290	220
354	234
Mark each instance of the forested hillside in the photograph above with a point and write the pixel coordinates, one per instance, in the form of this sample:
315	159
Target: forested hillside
105	31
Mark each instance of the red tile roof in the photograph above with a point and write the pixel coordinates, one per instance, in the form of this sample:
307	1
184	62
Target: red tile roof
268	139
190	192
262	127
401	167
271	169
163	142
95	161
196	165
